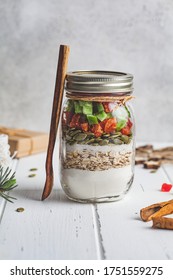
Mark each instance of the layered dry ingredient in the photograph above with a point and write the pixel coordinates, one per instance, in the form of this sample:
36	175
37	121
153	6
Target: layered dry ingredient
104	159
98	149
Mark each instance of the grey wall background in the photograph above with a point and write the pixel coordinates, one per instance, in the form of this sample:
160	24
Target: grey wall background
134	36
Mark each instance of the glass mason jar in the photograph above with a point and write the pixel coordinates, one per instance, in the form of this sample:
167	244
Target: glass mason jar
97	136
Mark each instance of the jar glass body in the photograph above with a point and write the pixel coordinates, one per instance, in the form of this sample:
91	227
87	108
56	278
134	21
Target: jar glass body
97	149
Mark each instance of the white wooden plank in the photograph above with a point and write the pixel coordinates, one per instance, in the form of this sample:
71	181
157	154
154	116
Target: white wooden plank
54	229
150	182
124	235
168	168
2	207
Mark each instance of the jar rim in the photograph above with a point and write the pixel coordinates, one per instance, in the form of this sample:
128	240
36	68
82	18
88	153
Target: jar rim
99	81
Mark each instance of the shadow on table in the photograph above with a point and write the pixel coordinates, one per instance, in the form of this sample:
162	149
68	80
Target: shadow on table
55	196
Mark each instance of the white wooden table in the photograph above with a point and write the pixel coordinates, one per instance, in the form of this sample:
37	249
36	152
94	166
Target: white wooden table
60	229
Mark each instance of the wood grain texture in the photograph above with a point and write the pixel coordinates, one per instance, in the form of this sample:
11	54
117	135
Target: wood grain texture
54	229
124	235
83	231
56	111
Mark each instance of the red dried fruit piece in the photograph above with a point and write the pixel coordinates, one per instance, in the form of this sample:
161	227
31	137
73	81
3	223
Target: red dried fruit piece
102	124
125	130
67	116
129	123
110	125
75	121
97	130
166	187
84	126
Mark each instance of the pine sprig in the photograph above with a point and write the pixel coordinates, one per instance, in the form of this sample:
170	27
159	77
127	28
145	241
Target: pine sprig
7	183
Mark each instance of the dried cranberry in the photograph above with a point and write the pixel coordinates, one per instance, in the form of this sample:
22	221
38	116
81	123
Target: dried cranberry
166	187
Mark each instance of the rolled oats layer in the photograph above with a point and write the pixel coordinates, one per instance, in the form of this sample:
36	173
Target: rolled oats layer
102	158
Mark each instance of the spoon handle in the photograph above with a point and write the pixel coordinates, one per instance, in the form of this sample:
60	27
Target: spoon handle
56	111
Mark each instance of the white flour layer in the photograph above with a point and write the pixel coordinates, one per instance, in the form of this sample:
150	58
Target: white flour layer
85	184
106	148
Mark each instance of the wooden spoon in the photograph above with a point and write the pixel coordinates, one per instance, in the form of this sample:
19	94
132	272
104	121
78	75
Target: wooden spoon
56	111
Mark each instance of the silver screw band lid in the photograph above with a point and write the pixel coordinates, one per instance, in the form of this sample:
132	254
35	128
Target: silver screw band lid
99	82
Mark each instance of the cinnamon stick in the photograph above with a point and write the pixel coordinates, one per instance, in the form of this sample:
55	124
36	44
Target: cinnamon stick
56	110
156	210
165	210
162	223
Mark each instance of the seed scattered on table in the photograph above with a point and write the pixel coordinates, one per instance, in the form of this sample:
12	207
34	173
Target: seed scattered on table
20	209
153	171
33	169
31	175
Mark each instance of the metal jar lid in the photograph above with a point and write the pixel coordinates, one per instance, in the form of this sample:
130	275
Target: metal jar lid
99	82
